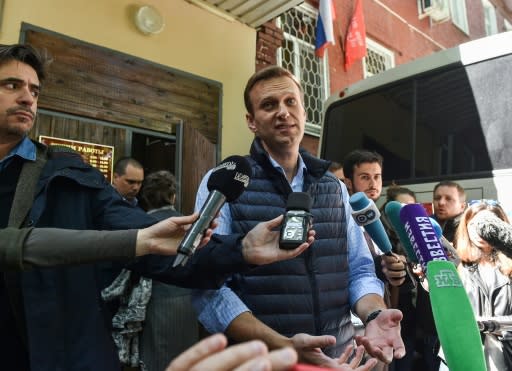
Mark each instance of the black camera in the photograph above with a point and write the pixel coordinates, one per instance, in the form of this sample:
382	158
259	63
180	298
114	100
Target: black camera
297	221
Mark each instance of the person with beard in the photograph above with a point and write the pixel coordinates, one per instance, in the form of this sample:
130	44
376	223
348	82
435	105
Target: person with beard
449	204
363	173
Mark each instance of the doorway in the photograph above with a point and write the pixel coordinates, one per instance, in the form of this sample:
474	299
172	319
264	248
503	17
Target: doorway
155	151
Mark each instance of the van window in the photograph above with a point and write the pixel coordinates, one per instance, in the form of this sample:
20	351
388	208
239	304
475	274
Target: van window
453	122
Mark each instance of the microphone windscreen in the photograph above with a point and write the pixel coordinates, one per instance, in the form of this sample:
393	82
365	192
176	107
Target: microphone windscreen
366	214
392	210
454	318
299	201
230	177
494	231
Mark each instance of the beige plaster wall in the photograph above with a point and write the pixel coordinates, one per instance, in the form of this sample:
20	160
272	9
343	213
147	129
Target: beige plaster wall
194	40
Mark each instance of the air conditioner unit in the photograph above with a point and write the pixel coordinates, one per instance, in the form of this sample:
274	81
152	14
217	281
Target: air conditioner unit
437	10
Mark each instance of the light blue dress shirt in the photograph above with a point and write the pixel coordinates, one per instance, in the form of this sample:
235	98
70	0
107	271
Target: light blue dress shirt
24	149
218	308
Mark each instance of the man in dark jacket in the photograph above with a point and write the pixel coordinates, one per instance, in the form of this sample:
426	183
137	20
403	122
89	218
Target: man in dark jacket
53	319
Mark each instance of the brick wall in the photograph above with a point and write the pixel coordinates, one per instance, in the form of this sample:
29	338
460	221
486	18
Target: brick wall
268	40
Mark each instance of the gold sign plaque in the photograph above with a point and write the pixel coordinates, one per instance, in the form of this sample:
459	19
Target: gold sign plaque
97	155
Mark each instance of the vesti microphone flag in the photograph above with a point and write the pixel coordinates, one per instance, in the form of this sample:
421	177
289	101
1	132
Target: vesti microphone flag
226	183
453	315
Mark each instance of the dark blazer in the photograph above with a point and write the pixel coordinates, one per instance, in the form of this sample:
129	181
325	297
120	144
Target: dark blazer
67	324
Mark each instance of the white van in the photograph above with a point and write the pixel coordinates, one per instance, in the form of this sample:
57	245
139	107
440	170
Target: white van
447	116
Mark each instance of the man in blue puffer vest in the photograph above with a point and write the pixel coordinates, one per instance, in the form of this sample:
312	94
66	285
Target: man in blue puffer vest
53	319
304	302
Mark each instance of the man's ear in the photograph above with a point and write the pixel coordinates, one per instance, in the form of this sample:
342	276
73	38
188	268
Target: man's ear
348	183
463	206
249	118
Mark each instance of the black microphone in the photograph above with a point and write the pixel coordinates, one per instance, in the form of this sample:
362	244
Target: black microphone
494	231
226	183
494	325
297	220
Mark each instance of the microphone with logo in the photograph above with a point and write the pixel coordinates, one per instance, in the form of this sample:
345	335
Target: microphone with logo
366	214
451	309
297	221
226	183
392	211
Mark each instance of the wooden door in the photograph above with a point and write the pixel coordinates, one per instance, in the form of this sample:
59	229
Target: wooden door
93	82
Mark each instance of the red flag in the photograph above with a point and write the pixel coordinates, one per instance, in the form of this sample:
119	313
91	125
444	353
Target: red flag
355	43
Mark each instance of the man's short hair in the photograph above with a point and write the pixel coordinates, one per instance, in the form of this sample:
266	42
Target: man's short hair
268	73
123	162
37	59
158	190
358	157
335	166
394	191
449	183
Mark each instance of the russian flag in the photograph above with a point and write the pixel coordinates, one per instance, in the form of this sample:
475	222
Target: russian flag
324	29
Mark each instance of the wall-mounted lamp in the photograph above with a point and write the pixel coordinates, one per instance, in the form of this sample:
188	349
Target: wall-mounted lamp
148	20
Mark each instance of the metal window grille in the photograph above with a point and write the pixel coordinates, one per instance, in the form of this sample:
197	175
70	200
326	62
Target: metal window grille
298	55
378	59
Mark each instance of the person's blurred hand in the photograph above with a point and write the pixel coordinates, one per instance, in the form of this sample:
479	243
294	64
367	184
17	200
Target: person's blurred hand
211	354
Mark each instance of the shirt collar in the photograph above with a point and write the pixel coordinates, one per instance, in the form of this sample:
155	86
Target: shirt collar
24	149
298	180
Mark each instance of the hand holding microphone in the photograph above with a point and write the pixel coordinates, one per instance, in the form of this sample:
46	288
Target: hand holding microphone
367	215
226	183
392	211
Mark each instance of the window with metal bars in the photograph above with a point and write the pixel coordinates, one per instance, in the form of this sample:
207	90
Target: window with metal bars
298	55
377	59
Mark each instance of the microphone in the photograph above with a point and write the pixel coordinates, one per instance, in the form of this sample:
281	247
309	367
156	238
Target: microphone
226	183
494	325
392	211
421	234
448	247
297	220
451	309
366	214
494	231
